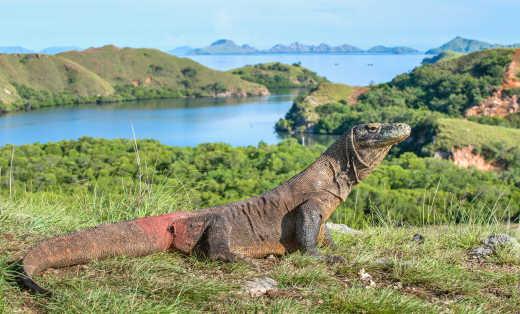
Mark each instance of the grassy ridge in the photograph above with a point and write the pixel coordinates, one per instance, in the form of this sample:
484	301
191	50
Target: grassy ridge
109	74
126	66
461	132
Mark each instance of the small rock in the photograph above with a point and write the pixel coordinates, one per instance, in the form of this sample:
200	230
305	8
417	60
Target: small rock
481	251
259	286
270	257
496	240
366	278
383	261
418	238
398	286
342	228
493	242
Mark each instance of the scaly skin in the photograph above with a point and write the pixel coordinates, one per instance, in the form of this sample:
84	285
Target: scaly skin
288	218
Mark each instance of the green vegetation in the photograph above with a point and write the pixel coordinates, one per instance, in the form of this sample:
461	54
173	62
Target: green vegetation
303	114
213	174
460	133
448	87
276	75
511	121
445	55
433	277
109	74
432	99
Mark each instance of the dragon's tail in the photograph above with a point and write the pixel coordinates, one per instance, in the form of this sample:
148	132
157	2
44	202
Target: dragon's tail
137	237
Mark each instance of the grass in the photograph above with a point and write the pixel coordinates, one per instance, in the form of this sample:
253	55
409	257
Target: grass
432	277
333	93
460	133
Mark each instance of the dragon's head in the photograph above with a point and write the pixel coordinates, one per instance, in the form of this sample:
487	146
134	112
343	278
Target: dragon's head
369	143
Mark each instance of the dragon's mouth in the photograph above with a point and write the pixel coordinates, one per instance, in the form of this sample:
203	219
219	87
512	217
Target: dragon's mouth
395	133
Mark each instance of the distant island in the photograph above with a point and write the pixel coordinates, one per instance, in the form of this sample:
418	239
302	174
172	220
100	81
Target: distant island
226	46
460	44
49	50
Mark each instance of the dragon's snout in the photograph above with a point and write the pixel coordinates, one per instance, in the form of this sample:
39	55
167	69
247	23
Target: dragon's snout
399	132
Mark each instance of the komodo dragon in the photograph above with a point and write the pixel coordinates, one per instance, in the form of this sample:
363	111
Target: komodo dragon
288	218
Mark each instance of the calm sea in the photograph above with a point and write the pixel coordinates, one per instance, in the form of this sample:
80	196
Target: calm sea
188	122
351	69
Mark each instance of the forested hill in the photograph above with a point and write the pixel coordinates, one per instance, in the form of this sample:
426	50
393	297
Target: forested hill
276	75
434	99
109	74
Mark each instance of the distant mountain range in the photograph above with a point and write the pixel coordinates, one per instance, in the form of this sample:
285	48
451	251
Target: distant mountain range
459	44
226	46
49	50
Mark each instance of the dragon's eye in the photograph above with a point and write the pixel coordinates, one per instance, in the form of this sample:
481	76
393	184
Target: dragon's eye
372	128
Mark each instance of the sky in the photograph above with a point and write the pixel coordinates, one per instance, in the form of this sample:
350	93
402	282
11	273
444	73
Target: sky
166	24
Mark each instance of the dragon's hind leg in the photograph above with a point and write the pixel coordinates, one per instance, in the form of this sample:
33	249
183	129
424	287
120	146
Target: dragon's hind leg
215	240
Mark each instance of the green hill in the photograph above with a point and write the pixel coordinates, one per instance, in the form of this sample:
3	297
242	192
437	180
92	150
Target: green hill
432	99
109	74
304	113
276	75
459	44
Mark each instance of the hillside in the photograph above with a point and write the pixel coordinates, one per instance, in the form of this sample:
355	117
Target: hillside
445	55
276	75
303	115
433	99
464	45
109	74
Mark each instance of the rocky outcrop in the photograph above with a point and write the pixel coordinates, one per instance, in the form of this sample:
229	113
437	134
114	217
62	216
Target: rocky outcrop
465	157
502	102
498	104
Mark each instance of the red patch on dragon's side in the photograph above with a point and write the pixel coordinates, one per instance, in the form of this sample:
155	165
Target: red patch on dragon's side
157	227
187	233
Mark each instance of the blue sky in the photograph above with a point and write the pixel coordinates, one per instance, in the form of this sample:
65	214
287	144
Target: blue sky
166	24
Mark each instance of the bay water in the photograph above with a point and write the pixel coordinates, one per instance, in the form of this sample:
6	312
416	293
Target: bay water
188	122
